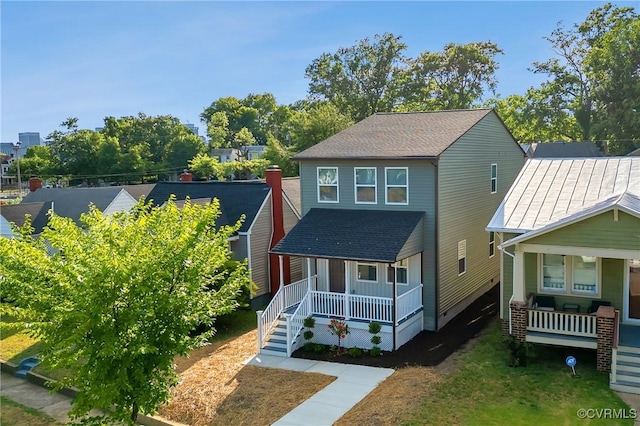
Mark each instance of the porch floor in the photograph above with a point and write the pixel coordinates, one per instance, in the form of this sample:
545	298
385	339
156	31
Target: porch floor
629	335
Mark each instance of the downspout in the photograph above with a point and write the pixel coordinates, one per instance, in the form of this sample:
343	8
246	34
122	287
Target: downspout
503	250
437	251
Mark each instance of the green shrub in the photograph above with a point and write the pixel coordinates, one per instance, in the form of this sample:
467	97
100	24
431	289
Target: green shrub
376	340
354	353
521	353
318	348
375	351
309	322
374	327
309	347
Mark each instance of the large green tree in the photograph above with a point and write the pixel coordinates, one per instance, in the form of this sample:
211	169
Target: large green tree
361	79
121	297
38	161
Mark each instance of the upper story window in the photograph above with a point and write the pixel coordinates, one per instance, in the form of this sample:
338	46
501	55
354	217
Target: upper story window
327	184
396	185
494	178
365	185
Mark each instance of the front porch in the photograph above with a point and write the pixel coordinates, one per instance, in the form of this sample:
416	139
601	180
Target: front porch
280	325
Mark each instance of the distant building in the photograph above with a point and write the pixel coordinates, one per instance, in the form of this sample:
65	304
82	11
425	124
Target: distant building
99	129
562	149
7	148
192	127
28	139
223	155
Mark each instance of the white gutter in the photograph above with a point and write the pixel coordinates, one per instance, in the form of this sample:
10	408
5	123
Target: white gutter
503	250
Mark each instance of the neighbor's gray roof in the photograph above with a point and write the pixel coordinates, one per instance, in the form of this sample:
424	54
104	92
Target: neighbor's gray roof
16	213
368	235
72	202
549	190
291	188
137	191
564	150
397	135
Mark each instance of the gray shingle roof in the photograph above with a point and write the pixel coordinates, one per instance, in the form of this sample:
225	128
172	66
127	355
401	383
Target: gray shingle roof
564	150
236	198
72	202
369	235
549	190
397	135
16	213
291	188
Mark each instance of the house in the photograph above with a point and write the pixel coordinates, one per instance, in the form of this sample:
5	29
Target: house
17	213
562	149
72	202
249	152
393	229
569	238
268	214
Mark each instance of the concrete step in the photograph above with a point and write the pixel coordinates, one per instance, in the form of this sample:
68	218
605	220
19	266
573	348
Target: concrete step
629	349
277	339
623	386
268	350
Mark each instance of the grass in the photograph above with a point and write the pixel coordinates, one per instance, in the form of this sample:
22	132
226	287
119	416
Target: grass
478	387
14	414
15	344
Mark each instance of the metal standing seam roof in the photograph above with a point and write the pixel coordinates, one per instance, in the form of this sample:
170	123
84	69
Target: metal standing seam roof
549	190
397	135
368	235
236	198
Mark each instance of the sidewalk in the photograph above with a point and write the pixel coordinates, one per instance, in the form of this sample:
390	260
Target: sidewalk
353	383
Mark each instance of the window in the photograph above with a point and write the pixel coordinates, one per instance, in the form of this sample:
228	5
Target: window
367	272
327	184
492	244
365	185
401	270
494	178
553	273
585	275
462	257
397	185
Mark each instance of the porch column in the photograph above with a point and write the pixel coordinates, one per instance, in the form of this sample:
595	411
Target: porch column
309	273
605	327
347	290
518	308
281	268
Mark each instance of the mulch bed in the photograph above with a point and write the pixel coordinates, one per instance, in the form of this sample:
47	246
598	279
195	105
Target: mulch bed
428	348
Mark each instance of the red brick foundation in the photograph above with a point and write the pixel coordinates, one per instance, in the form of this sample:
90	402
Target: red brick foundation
519	320
605	326
505	328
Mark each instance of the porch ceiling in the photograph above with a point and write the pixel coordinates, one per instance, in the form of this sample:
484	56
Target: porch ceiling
368	235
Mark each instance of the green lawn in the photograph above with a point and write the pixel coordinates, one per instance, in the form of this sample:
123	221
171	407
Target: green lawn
14	414
485	390
15	345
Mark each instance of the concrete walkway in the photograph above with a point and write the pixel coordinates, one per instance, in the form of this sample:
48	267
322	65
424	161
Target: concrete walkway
353	383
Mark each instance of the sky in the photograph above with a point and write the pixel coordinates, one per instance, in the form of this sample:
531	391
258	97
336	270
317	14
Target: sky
94	59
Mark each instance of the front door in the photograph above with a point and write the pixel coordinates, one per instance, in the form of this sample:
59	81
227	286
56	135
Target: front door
633	306
336	275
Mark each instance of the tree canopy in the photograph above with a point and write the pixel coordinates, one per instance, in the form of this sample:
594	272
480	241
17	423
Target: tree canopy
121	297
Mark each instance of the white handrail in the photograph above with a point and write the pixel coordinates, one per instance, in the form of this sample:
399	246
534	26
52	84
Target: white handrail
566	323
409	303
295	292
371	308
295	322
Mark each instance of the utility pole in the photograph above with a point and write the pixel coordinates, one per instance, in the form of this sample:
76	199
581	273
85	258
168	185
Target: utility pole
16	149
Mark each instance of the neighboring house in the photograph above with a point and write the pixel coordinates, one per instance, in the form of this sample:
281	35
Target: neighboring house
137	191
393	229
562	149
72	202
291	187
634	153
251	152
16	214
268	213
569	235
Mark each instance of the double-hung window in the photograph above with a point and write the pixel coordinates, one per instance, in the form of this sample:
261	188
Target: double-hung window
401	270
574	275
367	271
585	275
494	178
327	184
396	185
553	272
365	185
492	244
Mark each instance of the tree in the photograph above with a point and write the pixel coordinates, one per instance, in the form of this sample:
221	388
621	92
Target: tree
362	79
122	297
37	161
204	166
595	74
315	124
455	78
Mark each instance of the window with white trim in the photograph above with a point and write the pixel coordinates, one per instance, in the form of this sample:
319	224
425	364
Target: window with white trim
494	178
365	185
367	271
327	184
492	244
401	270
572	275
462	257
396	185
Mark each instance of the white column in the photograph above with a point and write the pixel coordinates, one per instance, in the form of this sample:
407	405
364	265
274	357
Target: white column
309	273
518	275
347	290
281	269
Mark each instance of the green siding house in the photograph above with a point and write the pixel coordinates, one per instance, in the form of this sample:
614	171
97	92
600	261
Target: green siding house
569	238
393	228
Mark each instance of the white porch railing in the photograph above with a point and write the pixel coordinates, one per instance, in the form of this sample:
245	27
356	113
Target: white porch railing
286	297
330	304
565	323
371	308
409	302
295	322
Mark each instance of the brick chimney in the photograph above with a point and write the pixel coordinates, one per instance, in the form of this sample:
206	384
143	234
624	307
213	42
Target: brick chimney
274	179
186	176
35	183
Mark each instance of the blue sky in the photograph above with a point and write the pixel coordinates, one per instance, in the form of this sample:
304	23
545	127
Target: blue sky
95	59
